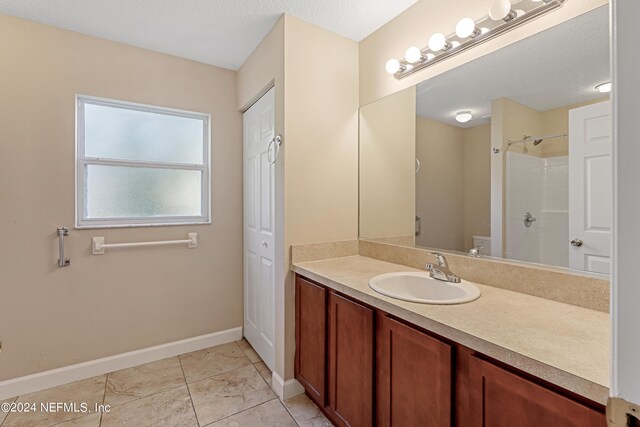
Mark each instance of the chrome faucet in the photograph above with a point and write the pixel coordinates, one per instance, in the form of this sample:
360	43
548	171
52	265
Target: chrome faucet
440	270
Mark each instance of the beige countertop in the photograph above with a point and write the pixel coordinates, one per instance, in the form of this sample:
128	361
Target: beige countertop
563	344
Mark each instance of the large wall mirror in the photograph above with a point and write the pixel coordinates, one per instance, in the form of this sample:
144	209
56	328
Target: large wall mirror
509	153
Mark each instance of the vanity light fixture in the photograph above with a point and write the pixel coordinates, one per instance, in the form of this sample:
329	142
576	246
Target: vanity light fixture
413	55
501	10
463	116
466	27
468	33
393	66
438	41
604	87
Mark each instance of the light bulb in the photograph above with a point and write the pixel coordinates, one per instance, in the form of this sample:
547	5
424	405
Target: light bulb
437	42
500	10
463	116
604	87
413	54
465	28
392	66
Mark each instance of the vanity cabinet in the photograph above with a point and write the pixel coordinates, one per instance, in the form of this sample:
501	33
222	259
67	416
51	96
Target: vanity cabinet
335	353
499	398
350	361
363	368
311	327
413	377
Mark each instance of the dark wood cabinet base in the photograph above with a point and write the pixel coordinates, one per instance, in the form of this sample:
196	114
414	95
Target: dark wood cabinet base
364	367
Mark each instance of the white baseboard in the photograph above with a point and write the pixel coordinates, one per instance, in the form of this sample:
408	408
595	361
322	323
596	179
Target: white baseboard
55	377
285	389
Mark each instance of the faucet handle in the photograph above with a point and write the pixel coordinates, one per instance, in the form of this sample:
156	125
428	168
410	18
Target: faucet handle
475	251
440	259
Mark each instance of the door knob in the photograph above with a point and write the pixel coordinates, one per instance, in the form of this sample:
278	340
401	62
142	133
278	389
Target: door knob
576	242
264	243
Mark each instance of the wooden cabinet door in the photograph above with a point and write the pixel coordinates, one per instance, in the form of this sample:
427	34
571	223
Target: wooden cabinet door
311	338
413	376
350	362
499	398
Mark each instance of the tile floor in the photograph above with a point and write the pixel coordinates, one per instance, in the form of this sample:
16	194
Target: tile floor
223	386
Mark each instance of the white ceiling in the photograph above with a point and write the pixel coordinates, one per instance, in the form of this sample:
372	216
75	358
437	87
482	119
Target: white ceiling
216	32
552	69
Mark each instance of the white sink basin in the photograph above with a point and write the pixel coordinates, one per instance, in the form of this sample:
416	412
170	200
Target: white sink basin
420	287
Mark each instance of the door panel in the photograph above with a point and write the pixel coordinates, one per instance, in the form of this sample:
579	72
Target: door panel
350	362
590	187
413	377
500	398
259	223
311	338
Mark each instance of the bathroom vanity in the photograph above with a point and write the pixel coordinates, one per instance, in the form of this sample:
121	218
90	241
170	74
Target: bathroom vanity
506	359
504	177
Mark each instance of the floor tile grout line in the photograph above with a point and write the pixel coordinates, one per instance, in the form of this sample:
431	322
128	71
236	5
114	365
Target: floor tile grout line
295	420
7	416
144	397
104	396
193	406
220	373
240	412
275	397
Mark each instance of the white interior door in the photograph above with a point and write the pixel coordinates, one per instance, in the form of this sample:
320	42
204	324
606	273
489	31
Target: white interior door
590	188
259	229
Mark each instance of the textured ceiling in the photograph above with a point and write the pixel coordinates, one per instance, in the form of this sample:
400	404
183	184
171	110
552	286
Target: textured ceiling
216	32
552	69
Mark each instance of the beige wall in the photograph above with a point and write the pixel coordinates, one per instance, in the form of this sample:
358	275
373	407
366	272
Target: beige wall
453	187
321	139
127	299
440	184
321	125
387	163
477	183
416	24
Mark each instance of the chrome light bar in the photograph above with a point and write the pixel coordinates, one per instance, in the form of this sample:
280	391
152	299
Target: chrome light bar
503	17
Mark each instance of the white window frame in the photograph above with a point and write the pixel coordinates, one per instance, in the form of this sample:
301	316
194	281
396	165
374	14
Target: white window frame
82	160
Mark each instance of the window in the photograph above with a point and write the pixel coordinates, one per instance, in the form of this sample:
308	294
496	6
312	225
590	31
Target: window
140	165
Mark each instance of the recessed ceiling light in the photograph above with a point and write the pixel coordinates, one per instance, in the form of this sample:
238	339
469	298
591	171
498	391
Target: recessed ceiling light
463	116
604	87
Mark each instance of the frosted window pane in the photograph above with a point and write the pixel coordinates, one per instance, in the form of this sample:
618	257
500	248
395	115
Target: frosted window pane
118	133
117	192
